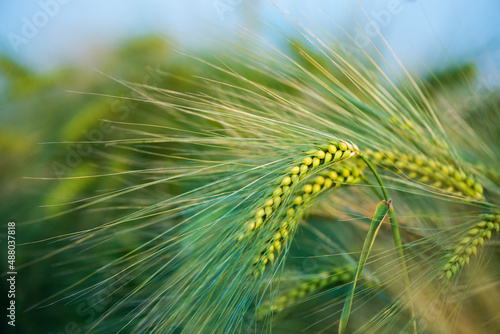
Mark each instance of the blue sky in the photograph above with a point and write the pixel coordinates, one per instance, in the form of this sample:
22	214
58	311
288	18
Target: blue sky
423	31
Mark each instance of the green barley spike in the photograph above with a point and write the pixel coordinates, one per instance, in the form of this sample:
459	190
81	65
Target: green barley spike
311	285
287	203
468	244
424	169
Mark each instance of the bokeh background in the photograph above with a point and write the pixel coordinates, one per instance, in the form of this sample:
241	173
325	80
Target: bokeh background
59	66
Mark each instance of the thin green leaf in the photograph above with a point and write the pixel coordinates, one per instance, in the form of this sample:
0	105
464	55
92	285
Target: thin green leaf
380	213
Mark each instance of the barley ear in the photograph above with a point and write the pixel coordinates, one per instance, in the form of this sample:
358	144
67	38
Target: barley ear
468	244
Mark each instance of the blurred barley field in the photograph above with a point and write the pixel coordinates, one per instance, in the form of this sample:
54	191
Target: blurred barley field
170	191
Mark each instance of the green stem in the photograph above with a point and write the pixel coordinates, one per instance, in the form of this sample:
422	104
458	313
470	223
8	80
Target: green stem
379	180
396	235
401	254
374	188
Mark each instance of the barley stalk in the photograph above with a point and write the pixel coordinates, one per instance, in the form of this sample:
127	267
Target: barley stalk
224	216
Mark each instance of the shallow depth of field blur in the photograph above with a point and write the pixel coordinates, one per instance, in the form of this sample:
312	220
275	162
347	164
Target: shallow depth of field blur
63	67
